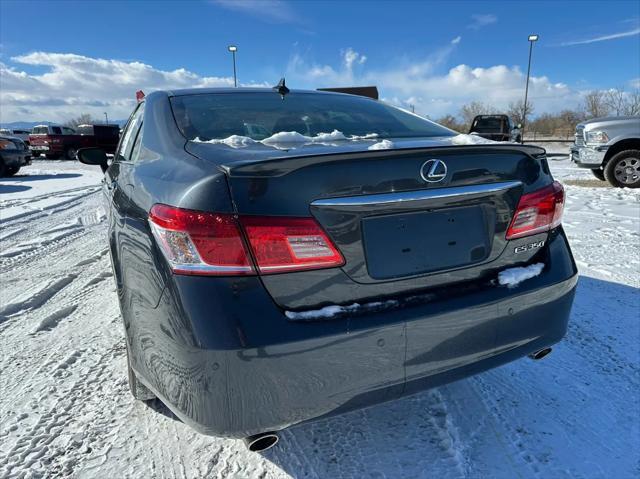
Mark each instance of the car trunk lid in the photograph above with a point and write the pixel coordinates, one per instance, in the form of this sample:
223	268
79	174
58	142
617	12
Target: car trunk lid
399	230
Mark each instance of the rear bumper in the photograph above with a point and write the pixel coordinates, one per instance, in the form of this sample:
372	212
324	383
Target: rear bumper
16	158
50	149
224	358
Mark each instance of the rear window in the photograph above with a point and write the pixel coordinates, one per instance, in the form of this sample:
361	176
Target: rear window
40	130
489	124
85	129
260	115
106	131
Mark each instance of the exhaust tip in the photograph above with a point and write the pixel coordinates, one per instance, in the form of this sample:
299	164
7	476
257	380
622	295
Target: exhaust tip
540	354
261	442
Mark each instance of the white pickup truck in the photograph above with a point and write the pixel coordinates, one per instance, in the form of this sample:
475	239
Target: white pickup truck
610	148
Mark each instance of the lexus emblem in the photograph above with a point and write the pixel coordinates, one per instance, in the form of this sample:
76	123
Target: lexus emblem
433	171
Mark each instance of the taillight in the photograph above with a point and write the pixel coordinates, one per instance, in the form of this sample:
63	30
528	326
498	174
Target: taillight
200	243
537	212
282	244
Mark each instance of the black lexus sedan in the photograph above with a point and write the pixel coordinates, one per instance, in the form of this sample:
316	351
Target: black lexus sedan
282	256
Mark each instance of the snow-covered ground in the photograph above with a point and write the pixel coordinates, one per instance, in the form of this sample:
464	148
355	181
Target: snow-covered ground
65	409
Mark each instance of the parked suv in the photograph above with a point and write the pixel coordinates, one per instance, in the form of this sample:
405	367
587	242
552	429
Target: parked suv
57	141
14	154
22	134
610	148
497	128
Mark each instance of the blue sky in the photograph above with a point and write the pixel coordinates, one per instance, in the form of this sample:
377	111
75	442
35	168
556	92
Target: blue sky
436	55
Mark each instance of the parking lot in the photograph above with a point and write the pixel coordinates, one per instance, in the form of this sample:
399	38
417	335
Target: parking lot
67	411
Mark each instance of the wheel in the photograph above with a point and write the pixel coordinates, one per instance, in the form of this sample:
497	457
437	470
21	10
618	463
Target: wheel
138	390
623	170
598	173
11	170
3	168
70	153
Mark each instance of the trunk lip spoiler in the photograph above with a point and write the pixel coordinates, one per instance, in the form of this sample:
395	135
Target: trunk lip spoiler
281	165
416	195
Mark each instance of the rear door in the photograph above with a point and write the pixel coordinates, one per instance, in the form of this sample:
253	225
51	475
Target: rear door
116	190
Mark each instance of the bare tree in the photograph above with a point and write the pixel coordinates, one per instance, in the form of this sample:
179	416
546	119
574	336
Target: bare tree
595	105
517	111
451	122
469	111
83	119
632	104
561	124
615	100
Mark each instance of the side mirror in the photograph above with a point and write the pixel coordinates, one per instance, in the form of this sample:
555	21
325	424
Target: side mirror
94	156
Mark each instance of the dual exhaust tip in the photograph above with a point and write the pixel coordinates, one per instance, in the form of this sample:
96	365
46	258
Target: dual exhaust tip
261	442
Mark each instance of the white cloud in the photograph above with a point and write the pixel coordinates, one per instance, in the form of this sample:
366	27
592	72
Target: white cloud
73	84
604	38
479	20
351	57
456	40
635	83
420	83
271	11
77	84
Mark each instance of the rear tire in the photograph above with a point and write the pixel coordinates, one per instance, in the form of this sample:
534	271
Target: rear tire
598	173
3	168
623	170
11	170
70	153
138	390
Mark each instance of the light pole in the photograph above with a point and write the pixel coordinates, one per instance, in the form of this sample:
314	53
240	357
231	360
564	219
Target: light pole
233	49
532	38
106	118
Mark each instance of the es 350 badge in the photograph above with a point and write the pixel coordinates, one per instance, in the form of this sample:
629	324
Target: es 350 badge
528	247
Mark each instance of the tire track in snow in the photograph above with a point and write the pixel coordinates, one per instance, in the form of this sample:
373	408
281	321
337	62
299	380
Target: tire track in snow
516	435
36	445
51	321
46	210
35	299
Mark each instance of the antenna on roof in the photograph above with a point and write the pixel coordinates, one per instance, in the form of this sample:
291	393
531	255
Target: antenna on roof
281	88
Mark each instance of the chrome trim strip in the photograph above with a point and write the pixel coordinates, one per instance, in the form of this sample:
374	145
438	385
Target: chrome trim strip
411	196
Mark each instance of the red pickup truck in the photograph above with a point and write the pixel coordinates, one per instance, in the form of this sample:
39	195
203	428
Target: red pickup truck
61	141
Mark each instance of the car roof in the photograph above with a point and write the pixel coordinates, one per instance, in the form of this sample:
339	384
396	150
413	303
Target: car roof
242	90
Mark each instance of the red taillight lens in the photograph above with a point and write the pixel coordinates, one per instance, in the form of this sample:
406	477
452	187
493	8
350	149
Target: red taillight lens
197	242
201	243
537	212
282	244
